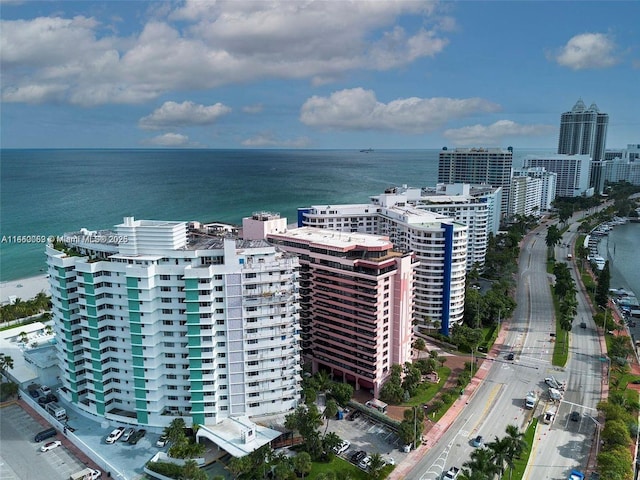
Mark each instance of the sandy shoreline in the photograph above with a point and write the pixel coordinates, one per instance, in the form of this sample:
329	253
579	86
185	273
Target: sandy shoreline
24	289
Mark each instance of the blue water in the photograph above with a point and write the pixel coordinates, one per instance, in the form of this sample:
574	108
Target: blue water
621	249
49	192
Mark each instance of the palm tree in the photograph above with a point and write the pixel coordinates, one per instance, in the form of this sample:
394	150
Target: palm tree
331	442
175	430
302	463
499	449
330	411
517	445
481	465
376	465
553	238
6	363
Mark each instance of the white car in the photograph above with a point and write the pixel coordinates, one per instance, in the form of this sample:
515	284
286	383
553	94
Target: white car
127	434
115	435
50	446
343	447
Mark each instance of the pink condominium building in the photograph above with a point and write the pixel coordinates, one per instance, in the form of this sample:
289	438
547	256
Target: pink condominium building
356	300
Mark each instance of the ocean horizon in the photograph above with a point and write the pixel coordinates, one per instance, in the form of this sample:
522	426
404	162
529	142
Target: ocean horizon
47	192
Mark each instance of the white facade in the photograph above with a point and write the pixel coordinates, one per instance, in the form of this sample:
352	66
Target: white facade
260	224
549	184
624	166
573	172
439	242
154	322
526	193
457	203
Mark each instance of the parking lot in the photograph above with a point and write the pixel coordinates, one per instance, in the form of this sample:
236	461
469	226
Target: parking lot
21	457
366	434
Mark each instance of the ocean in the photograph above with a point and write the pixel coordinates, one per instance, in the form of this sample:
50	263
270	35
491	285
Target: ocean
49	192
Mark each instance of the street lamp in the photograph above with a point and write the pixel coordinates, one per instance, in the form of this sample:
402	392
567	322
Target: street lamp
598	428
604	323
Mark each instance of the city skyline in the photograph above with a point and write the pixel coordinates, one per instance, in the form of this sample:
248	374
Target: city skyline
313	75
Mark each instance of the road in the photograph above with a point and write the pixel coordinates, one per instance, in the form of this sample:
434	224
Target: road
567	443
499	401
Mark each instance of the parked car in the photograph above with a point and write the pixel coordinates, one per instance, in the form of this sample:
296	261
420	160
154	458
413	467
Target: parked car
575	416
478	441
511	356
127	434
47	399
355	415
162	441
34	393
135	438
358	456
343	447
583	325
50	446
115	435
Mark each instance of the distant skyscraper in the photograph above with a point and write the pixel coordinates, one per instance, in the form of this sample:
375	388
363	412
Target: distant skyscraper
583	131
477	166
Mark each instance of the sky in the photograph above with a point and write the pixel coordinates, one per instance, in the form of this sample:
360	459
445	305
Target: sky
313	74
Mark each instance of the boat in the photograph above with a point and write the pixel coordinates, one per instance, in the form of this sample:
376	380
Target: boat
366	150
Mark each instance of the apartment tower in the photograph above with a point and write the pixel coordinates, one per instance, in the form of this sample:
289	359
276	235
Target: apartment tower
478	166
356	303
154	321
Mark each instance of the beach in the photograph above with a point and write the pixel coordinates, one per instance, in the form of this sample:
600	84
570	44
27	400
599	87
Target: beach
24	289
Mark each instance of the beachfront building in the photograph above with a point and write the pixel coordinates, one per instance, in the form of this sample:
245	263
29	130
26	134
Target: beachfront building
548	187
573	172
624	166
491	196
455	202
439	243
154	321
478	166
356	303
583	131
526	193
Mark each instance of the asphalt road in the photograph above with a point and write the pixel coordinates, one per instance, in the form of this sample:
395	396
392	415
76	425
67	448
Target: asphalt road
499	401
565	444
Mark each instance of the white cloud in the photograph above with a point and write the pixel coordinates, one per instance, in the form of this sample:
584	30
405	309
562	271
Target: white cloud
203	45
257	108
169	140
269	140
495	133
588	50
185	114
358	109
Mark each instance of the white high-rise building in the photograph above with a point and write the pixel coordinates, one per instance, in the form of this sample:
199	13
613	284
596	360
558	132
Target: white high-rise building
154	322
439	242
455	202
526	193
573	172
549	184
623	166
